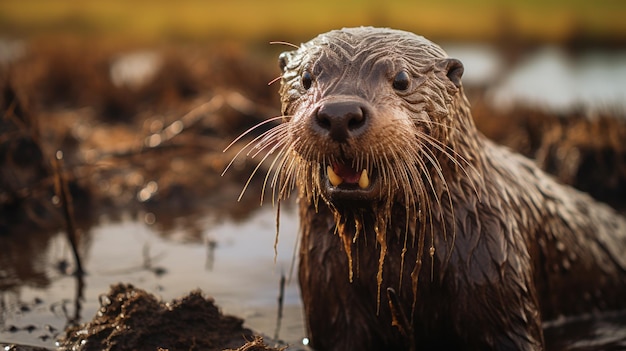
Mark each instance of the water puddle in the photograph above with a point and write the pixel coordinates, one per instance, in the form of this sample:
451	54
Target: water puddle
232	262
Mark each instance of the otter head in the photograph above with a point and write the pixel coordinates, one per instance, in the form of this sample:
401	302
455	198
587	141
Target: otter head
368	114
374	120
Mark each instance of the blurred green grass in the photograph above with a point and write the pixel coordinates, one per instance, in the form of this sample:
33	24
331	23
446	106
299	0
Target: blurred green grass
252	20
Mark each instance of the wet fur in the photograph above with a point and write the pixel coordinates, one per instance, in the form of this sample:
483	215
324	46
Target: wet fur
478	244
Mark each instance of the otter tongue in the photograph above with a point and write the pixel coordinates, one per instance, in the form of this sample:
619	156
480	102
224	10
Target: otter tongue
347	173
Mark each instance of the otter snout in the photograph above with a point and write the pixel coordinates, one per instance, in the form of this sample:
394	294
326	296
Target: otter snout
342	120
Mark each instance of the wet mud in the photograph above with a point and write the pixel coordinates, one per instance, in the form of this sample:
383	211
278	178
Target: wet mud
131	319
151	146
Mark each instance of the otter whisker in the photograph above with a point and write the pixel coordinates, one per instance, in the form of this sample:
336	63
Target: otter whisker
444	227
253	141
284	43
284	174
419	169
442	125
423	137
388	175
431	157
437	166
408	201
271	138
275	80
279	156
422	235
453	157
278	145
249	130
450	152
281	168
403	172
442	144
287	180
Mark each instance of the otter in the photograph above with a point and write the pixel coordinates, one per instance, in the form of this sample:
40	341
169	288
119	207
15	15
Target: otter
417	232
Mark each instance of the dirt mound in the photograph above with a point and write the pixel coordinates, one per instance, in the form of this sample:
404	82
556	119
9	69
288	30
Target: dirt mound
131	319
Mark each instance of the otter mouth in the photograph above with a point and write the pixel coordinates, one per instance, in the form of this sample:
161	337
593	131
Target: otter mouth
345	183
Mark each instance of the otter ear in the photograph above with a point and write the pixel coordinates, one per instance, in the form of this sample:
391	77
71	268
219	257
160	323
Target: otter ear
283	60
453	69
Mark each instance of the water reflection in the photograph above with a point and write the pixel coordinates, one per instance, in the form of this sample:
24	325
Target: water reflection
232	261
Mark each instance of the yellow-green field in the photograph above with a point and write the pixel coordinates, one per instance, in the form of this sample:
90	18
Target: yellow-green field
279	19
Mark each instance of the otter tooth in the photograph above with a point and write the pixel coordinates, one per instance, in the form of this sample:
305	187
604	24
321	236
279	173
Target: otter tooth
364	181
333	177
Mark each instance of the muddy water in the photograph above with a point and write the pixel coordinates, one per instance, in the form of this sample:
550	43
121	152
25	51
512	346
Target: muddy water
233	262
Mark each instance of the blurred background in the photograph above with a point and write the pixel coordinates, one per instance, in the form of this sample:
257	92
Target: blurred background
555	21
131	105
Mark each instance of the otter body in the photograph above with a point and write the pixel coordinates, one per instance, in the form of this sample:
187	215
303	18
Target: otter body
417	231
514	262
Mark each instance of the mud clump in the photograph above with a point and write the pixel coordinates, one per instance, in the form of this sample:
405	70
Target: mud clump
131	319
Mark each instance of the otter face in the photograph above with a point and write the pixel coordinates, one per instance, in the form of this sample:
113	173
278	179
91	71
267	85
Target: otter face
365	111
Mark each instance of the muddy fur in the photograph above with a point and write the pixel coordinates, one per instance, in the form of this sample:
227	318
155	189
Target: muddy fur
454	241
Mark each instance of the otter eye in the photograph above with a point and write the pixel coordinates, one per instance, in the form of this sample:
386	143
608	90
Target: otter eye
401	81
307	80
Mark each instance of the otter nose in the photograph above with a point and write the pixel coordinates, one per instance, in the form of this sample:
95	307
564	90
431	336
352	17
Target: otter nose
342	120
